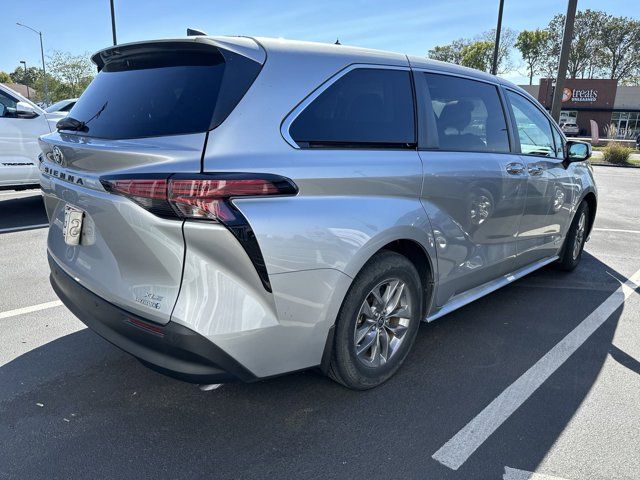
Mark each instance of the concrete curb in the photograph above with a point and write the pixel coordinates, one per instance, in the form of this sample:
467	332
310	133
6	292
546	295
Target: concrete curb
601	164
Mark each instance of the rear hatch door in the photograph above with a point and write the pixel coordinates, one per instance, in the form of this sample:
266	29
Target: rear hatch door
147	114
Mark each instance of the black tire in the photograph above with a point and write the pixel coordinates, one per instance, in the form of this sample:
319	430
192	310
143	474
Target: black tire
345	367
568	260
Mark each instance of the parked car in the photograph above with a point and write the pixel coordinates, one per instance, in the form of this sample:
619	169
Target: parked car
222	216
21	123
570	128
62	106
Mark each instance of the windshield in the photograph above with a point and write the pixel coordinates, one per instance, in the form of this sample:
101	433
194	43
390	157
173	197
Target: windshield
61	106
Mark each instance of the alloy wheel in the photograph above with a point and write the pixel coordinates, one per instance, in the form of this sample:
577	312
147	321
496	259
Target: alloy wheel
579	238
383	321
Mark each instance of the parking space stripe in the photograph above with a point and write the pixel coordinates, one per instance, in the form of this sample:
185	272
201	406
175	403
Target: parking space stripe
615	230
464	443
25	227
19	194
32	308
516	474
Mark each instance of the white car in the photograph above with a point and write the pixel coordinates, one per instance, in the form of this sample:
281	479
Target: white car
21	123
63	106
570	128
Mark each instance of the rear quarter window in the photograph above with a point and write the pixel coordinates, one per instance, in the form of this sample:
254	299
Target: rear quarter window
365	108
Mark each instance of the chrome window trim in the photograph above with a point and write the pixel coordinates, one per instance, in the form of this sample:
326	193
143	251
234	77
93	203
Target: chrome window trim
299	108
455	74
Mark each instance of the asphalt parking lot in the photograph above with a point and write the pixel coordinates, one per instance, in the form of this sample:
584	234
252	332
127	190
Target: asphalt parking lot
542	376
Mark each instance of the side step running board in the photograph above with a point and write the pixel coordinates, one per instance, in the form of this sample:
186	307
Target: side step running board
469	296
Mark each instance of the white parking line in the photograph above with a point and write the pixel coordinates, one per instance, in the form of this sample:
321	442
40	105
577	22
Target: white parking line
462	445
25	227
615	230
19	194
32	308
516	474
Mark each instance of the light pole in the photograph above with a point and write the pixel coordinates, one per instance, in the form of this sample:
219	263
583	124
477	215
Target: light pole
496	45
25	77
556	104
113	23
44	70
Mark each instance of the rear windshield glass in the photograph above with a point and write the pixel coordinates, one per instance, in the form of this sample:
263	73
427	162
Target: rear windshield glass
152	94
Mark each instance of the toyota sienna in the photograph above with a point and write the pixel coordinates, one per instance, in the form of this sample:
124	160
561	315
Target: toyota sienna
238	208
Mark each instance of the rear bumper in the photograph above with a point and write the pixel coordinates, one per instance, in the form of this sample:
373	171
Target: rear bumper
171	349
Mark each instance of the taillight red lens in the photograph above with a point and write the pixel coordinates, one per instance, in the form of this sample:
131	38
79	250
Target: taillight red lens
200	198
207	198
153	189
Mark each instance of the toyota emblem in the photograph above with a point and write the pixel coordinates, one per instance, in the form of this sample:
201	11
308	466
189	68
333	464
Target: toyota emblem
58	157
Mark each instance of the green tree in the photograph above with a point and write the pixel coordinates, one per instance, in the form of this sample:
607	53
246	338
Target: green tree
533	46
620	48
73	72
507	42
5	77
585	44
472	52
451	53
25	78
478	55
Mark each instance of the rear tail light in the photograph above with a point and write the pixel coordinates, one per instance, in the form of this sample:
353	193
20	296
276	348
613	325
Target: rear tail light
202	198
205	197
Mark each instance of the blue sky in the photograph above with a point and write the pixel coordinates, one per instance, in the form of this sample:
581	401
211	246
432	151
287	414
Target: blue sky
407	26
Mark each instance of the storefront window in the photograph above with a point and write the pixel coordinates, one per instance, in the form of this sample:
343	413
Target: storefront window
625	124
568	116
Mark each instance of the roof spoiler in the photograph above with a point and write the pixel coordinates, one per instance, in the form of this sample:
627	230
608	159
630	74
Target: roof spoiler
244	46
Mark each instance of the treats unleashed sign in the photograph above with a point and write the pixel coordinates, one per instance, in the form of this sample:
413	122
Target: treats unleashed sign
579	95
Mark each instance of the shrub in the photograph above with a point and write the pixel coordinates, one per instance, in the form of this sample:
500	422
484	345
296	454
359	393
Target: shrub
617	153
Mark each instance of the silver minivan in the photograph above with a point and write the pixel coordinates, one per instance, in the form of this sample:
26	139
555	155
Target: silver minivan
238	208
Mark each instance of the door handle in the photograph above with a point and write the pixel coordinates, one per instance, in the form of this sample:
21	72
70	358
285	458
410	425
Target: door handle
535	170
515	168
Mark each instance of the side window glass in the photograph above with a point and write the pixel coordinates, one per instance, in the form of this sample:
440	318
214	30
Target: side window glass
469	115
533	127
364	108
559	141
7	106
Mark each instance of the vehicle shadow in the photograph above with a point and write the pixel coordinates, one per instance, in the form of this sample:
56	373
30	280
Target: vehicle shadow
104	415
22	213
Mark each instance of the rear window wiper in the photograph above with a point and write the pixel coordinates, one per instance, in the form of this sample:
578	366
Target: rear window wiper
70	123
75	125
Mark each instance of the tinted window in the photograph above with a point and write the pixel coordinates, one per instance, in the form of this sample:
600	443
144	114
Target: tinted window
365	107
469	114
56	106
533	127
62	106
169	91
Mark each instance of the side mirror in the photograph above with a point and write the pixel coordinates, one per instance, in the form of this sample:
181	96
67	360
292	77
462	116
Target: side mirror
577	151
25	110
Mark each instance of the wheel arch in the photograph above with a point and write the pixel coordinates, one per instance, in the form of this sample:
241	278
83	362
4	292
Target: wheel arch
592	202
420	255
416	246
420	259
